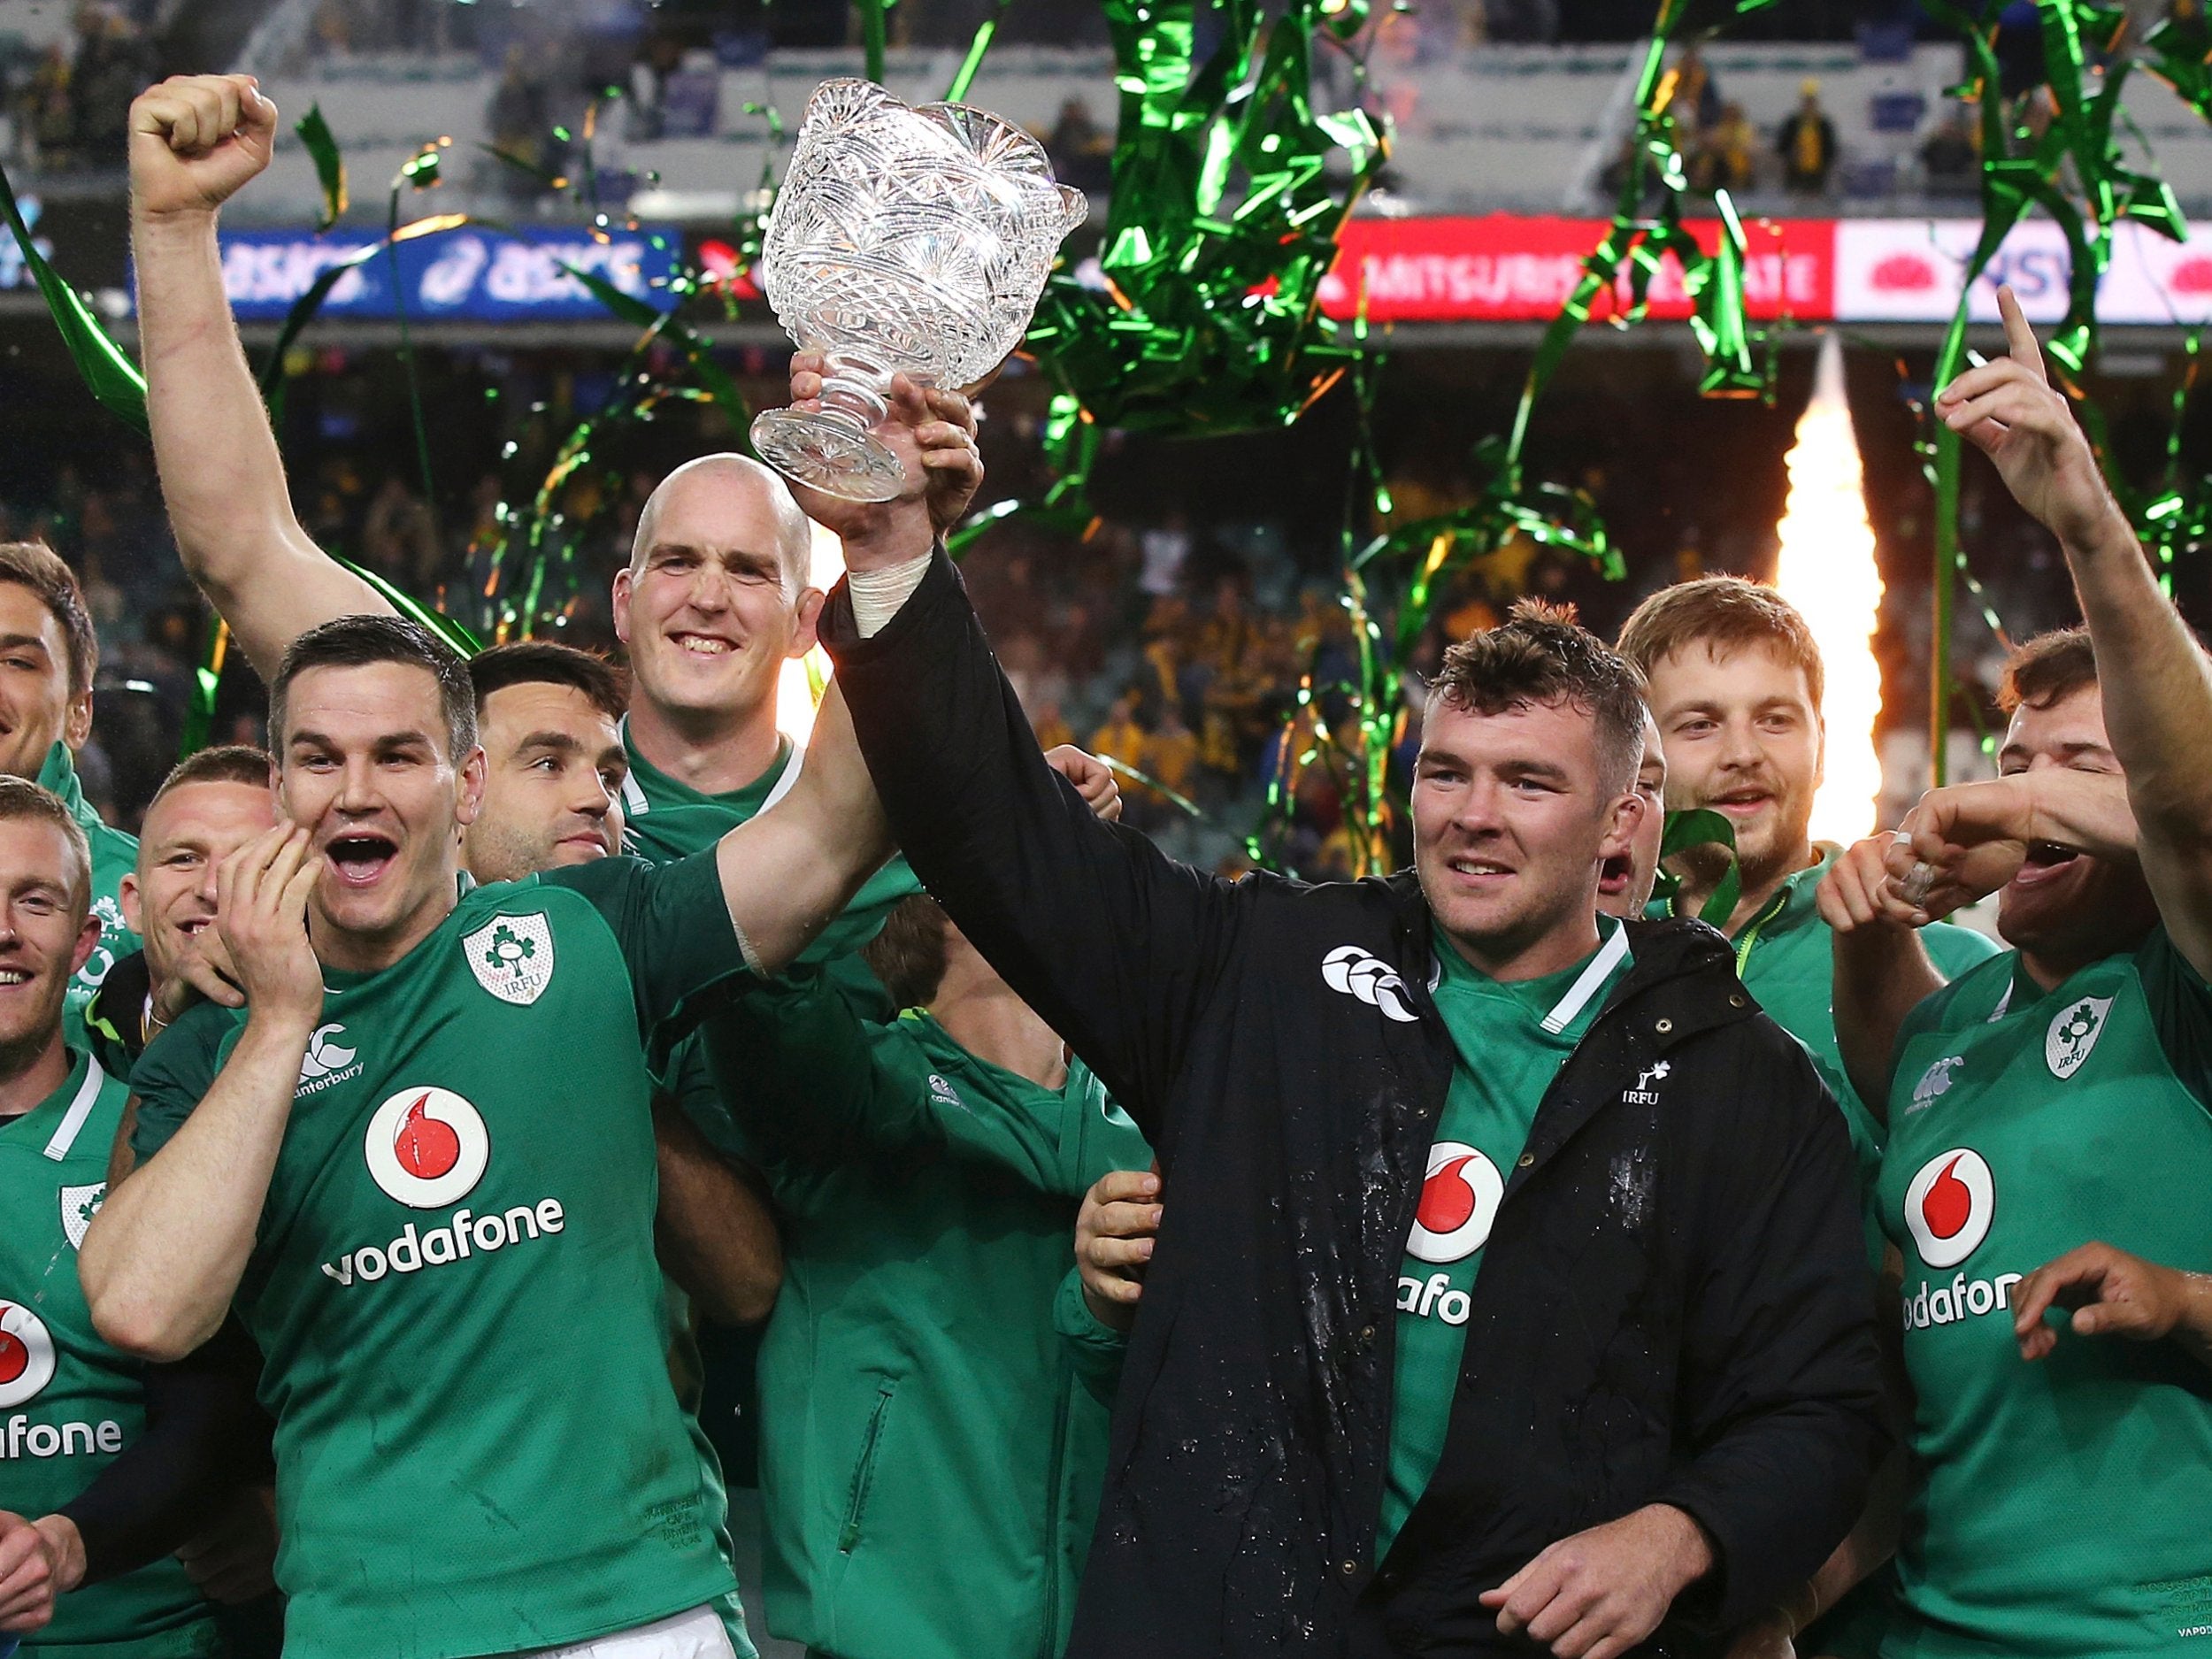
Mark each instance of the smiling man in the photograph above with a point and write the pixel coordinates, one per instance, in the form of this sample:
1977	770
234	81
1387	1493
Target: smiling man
107	1465
1735	682
1360	1090
49	656
210	805
2050	1112
471	1182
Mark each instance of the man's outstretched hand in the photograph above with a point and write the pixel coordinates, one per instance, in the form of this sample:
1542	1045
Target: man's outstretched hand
2010	412
1598	1593
195	140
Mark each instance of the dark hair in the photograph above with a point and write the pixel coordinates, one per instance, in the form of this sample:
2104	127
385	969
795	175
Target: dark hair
362	641
1722	613
1540	653
227	763
2048	669
909	955
543	661
20	798
34	565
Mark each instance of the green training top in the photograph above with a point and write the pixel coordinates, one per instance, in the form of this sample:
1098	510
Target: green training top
1785	958
69	1403
932	1455
665	819
454	1286
2064	1512
114	855
1511	1038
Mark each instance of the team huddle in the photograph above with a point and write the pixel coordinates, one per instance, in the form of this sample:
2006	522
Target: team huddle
1493	1258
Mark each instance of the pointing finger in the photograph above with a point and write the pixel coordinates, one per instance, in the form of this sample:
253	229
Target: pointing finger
2018	335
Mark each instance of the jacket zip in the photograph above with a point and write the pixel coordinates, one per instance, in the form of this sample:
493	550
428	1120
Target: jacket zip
1751	933
863	1470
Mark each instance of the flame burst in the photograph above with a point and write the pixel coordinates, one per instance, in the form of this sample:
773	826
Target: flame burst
800	687
1826	568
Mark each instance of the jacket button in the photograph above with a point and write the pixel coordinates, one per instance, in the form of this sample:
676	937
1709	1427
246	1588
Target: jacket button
1527	1158
1367	1334
1663	1027
1737	999
1347	1568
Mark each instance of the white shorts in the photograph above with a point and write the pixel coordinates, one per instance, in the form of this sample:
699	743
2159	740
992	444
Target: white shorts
697	1634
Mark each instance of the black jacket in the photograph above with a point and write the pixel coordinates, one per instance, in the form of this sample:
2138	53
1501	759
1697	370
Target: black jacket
1673	1303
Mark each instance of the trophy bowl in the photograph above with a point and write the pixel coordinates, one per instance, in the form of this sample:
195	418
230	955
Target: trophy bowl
906	239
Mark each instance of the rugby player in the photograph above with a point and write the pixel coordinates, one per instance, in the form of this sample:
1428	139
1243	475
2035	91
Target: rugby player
442	1240
1331	1433
49	656
107	1464
1736	681
2049	1136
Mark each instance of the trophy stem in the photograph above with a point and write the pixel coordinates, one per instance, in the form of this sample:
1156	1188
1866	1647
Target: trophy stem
831	448
854	386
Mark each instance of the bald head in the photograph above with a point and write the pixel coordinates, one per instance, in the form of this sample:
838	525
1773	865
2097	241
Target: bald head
735	490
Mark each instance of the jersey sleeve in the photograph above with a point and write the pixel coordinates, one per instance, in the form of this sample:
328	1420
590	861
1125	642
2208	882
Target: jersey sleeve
2181	1012
673	927
175	1074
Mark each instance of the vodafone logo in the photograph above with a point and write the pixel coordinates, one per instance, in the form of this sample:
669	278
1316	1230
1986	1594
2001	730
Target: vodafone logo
427	1148
1949	1206
1357	973
1459	1201
27	1354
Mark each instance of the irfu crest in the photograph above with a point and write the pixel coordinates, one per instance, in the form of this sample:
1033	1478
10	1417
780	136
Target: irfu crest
2074	1033
511	958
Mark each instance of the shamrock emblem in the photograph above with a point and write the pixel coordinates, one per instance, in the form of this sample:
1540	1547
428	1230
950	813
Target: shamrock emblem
509	950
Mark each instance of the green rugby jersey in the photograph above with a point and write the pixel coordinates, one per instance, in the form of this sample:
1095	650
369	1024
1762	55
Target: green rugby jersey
69	1403
114	855
454	1285
2064	1512
1511	1039
1785	958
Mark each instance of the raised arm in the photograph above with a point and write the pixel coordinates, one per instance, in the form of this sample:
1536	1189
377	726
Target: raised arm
1882	970
164	1256
1119	948
788	873
194	141
2154	676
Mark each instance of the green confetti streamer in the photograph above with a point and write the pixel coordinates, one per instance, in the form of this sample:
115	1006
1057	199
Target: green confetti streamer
2075	173
1688	832
106	367
330	166
207	680
871	36
964	76
452	631
1124	770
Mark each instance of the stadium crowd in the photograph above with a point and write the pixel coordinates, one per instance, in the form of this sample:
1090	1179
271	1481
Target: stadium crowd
1489	1258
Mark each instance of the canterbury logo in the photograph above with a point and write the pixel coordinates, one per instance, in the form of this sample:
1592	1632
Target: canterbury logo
1373	982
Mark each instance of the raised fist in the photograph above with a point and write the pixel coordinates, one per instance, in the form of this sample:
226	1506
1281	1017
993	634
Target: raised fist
196	139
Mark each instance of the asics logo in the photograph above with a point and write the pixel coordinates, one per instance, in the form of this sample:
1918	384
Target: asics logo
1373	982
